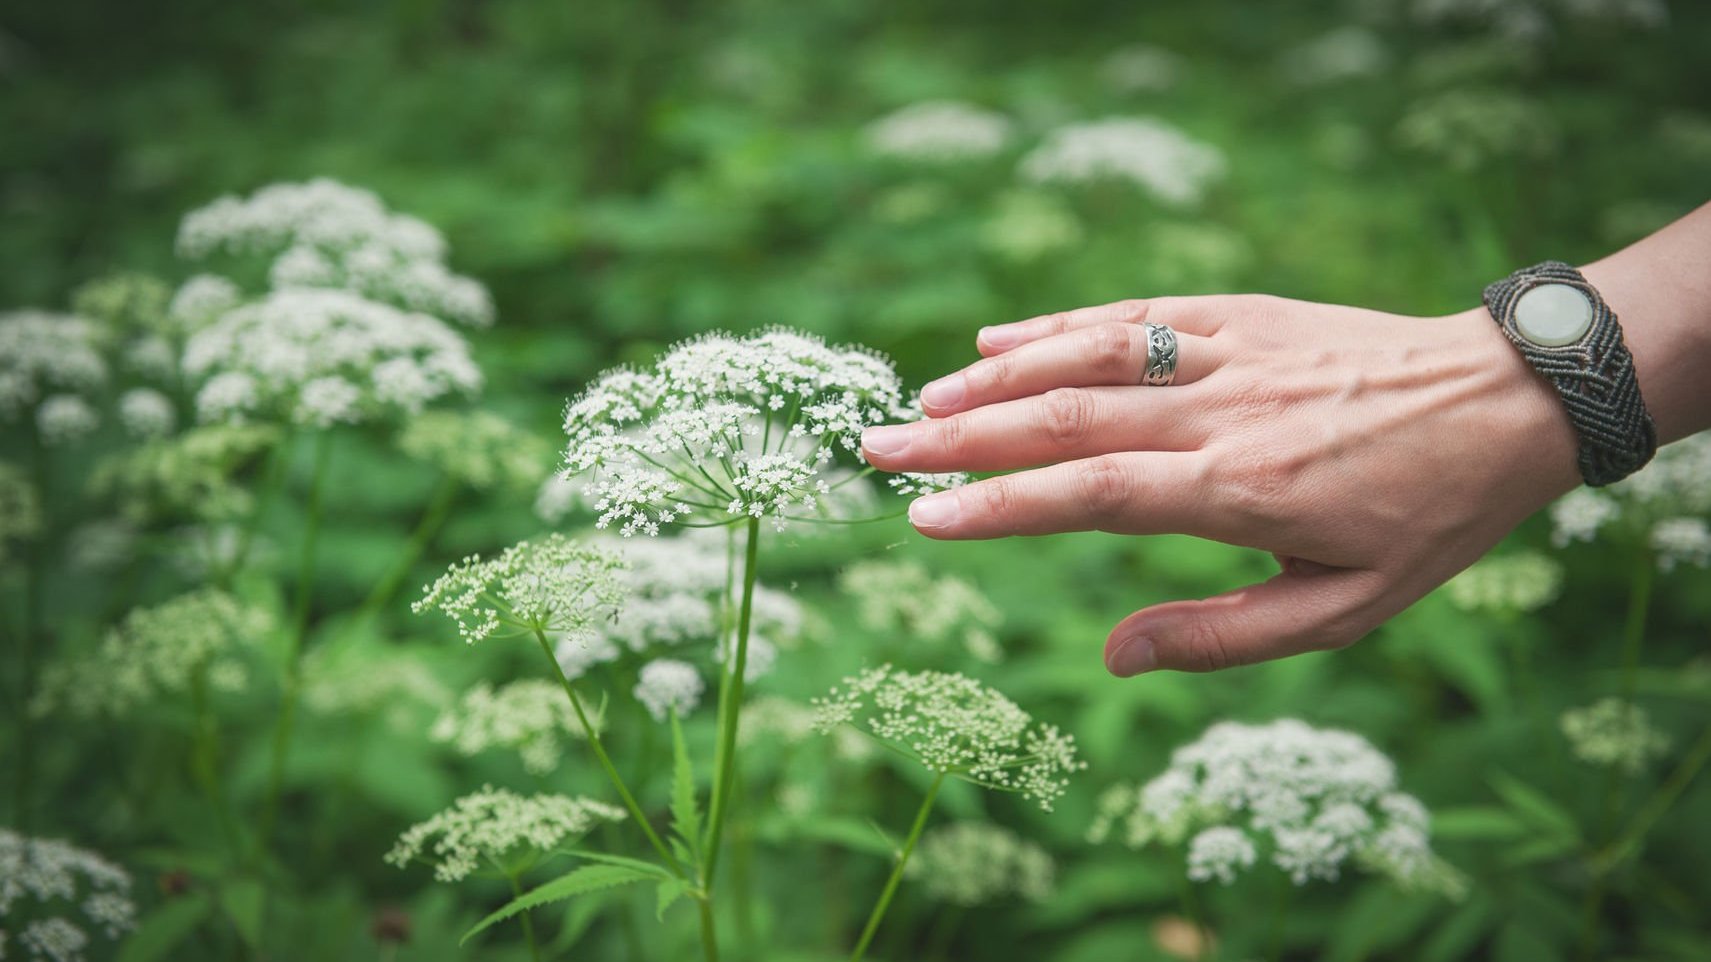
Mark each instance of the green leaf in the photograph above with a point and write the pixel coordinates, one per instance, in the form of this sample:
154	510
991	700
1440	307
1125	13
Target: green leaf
670	890
685	820
1477	822
625	861
1534	807
589	878
243	900
165	928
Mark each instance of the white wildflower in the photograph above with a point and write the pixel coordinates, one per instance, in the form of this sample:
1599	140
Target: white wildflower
1521	582
556	498
496	826
1579	514
724	428
1613	733
973	863
1173	167
1467	128
196	473
1221	853
101	545
146	413
61	878
904	599
323	356
550	585
477	449
530	717
361	679
1682	541
954	725
65	419
1315	799
1142	68
200	301
323	234
205	637
1346	53
42	352
939	130
665	686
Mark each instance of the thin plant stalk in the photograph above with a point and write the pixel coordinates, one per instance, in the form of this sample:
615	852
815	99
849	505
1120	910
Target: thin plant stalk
730	709
891	883
528	921
299	628
1633	639
1279	912
205	764
273	476
1660	803
433	518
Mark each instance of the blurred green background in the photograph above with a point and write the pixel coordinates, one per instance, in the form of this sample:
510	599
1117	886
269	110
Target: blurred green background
625	174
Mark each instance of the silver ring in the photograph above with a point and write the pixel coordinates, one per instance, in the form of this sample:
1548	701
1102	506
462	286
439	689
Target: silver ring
1161	355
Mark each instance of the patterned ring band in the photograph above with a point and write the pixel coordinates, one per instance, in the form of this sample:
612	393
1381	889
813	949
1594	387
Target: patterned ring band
1161	355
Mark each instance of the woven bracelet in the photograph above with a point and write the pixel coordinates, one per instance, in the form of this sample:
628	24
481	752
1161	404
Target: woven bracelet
1561	325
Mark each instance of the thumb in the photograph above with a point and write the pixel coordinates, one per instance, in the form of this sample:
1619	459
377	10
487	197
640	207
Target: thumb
1308	607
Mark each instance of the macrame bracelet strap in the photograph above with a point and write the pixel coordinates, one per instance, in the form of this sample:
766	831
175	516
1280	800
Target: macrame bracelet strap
1565	330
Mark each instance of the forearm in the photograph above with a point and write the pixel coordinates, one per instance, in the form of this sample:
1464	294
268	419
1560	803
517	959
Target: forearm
1660	288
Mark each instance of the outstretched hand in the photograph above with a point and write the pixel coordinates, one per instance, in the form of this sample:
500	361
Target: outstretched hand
1374	455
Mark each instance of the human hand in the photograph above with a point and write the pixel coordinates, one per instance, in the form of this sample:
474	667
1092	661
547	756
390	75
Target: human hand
1374	455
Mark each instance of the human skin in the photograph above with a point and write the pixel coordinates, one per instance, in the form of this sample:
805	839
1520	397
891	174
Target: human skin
1374	454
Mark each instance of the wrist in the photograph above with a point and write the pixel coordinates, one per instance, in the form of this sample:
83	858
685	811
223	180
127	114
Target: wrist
1531	433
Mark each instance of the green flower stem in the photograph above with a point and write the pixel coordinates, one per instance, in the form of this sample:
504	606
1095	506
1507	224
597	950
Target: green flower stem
1655	807
205	764
730	710
1633	639
594	742
709	931
1191	910
294	653
1279	912
891	883
433	518
273	476
528	920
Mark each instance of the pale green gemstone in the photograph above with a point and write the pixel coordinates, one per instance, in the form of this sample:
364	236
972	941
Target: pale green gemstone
1552	315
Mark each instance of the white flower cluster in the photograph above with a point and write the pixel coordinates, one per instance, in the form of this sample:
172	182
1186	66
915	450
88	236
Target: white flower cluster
206	637
484	828
1613	733
955	725
325	357
1346	53
20	508
1309	799
939	130
65	419
725	427
193	473
1535	20
1142	68
1167	163
42	353
323	234
675	588
362	680
973	863
530	717
1520	582
550	585
200	301
1466	128
147	413
60	878
1665	505
666	685
478	449
905	599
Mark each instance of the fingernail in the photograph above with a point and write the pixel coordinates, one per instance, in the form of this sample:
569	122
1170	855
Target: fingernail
1132	657
944	392
934	510
1002	337
886	439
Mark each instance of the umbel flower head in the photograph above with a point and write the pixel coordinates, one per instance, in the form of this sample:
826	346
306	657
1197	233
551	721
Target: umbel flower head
1521	582
193	474
325	357
939	130
675	589
972	863
905	599
497	829
1308	800
323	234
723	428
52	893
1168	164
206	637
478	449
1613	733
530	717
666	686
550	585
954	725
1663	507
42	354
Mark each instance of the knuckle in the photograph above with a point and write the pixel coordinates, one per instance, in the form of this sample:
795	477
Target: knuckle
1058	322
1067	414
1104	486
1111	349
994	375
1206	647
1132	311
995	501
950	435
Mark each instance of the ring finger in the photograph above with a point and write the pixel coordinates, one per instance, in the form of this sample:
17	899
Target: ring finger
1106	355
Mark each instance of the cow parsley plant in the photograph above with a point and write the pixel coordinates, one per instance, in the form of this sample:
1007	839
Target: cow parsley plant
497	829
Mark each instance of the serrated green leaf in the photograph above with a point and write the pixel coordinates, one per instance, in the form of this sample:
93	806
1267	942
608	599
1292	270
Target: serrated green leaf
1477	822
670	891
162	930
589	878
685	819
639	865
